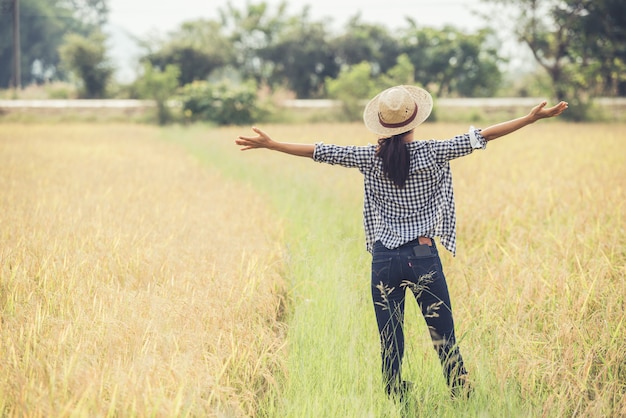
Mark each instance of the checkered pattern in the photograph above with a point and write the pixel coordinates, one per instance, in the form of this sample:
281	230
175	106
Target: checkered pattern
424	207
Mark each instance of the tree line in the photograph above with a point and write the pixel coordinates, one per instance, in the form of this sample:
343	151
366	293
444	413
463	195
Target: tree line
580	44
44	28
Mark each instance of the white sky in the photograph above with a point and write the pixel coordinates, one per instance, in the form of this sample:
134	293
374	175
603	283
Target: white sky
142	17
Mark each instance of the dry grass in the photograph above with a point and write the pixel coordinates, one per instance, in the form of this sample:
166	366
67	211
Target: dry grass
132	280
538	285
543	262
127	289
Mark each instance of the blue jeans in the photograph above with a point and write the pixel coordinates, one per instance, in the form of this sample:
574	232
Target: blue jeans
418	268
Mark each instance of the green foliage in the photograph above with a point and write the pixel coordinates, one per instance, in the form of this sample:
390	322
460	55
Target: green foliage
251	31
90	13
302	59
159	86
222	103
451	62
356	84
372	43
351	87
197	48
43	25
86	58
278	49
402	73
579	44
596	42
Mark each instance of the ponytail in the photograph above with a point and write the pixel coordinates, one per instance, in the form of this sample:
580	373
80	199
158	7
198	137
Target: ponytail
395	157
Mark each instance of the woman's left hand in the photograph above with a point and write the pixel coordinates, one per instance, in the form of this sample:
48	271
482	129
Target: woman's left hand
541	112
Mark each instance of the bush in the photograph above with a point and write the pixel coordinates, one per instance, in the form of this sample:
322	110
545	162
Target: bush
159	86
223	103
355	85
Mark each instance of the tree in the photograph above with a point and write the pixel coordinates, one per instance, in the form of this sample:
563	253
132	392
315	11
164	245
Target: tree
453	62
86	58
579	43
357	83
275	48
159	86
401	73
353	85
89	13
366	42
251	31
197	48
43	24
600	37
301	58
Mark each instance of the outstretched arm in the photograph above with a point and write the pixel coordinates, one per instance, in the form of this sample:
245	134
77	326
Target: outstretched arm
263	140
537	112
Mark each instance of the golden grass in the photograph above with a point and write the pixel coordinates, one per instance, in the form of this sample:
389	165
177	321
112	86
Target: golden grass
132	280
543	260
538	285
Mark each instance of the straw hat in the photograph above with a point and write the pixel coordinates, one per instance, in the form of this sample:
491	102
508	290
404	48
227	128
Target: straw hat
397	110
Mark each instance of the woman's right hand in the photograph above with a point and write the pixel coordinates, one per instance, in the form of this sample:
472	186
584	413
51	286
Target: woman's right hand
262	140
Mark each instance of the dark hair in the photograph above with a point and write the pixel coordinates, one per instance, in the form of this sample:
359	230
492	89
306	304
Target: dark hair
395	157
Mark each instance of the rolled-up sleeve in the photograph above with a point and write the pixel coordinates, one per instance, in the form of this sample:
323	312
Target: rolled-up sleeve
459	146
346	156
476	139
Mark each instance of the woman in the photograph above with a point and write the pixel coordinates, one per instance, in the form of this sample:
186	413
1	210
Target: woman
408	202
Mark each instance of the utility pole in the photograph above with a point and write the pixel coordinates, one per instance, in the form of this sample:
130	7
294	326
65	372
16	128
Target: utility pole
17	68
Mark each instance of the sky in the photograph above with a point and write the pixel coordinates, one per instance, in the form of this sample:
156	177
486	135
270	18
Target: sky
140	18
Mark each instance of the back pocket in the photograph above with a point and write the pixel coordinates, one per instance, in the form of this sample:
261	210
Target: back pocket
381	267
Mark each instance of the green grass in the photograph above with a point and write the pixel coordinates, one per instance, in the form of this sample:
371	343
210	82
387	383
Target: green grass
537	287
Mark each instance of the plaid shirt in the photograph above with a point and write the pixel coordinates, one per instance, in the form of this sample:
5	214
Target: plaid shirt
424	207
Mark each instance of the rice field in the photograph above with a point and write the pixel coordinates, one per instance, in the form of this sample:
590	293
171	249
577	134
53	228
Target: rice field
130	282
162	272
